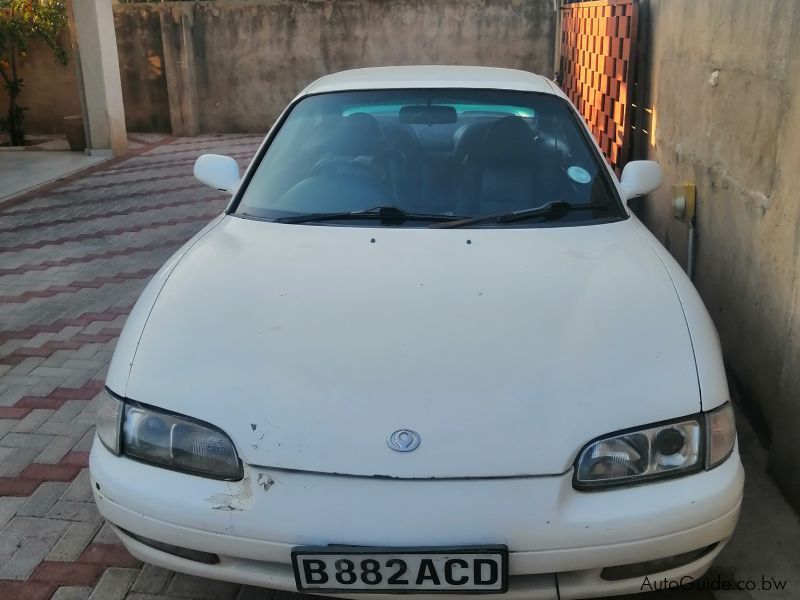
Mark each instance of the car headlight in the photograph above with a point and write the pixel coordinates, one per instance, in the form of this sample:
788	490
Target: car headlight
657	451
166	439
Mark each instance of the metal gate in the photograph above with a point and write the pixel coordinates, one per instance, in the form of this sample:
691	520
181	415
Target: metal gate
597	58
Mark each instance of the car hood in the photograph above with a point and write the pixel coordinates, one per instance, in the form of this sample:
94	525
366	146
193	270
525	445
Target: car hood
505	349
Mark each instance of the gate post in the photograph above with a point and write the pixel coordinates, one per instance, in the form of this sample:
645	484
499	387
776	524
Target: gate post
99	80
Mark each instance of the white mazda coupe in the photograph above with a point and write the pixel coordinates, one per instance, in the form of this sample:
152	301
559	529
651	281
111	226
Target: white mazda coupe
426	349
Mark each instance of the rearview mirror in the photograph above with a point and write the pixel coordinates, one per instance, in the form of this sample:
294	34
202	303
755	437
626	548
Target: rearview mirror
428	114
217	171
640	177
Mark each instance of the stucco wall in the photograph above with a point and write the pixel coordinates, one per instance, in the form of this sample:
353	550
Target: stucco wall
141	67
735	134
50	90
231	66
250	58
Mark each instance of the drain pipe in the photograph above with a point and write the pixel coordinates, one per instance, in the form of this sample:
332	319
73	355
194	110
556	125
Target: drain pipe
690	251
683	209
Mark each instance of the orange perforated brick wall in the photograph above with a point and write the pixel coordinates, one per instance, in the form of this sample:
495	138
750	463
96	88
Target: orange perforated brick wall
597	44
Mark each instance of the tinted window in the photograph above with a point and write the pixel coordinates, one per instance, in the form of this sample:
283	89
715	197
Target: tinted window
445	152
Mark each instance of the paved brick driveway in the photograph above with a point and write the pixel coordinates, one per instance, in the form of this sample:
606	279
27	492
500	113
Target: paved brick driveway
73	258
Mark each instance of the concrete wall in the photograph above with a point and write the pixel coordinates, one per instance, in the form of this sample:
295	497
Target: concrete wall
249	58
231	66
141	66
50	90
725	91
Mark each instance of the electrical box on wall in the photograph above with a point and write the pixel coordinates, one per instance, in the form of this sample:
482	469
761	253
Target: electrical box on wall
683	201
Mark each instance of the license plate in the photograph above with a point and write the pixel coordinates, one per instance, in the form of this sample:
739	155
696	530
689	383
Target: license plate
464	569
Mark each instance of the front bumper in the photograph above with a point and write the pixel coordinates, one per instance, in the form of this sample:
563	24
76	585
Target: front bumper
559	539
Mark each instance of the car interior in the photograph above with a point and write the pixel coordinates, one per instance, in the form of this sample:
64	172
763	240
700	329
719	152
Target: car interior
446	158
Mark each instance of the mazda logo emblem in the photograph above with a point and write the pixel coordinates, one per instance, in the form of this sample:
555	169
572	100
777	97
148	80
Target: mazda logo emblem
403	440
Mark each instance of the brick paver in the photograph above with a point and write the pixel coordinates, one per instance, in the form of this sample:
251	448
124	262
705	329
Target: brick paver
73	258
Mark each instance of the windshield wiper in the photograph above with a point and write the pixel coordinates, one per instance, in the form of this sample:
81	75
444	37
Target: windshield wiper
552	210
386	214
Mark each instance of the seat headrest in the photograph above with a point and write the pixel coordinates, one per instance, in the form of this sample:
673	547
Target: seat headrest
359	134
400	135
508	136
468	138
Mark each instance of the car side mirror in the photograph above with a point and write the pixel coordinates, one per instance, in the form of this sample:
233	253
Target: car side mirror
217	171
640	177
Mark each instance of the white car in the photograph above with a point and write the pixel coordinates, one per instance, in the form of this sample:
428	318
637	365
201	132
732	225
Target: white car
427	348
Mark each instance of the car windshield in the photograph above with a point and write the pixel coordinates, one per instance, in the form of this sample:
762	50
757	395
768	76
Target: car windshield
441	154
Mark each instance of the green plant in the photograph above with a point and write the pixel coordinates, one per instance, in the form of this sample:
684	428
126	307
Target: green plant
22	21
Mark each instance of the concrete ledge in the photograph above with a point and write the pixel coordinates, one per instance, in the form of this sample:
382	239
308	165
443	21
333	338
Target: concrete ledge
23	170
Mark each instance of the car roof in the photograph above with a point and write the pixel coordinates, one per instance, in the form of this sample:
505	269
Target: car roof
431	77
